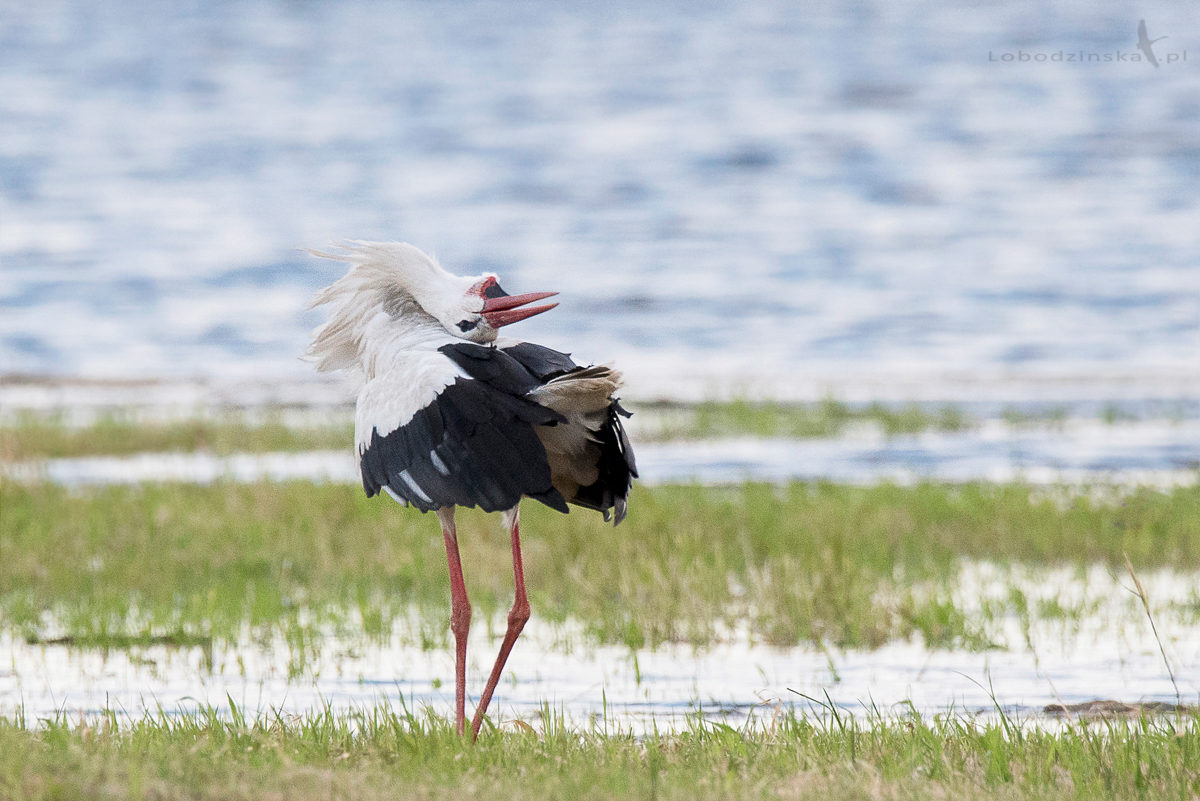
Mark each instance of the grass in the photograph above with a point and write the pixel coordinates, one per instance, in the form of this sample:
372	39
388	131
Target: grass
38	436
32	436
828	564
381	752
828	418
187	565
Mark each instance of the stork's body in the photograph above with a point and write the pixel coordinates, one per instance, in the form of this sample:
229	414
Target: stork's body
451	415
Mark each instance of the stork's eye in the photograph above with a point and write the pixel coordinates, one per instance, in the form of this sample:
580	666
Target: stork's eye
467	325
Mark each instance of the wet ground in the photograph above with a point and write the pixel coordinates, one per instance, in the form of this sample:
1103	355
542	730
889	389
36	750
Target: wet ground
1159	453
1109	654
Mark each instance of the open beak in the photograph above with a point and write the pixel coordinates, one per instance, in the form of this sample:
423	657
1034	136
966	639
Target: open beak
505	310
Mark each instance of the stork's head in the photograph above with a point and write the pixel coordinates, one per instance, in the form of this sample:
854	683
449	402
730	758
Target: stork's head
406	285
479	312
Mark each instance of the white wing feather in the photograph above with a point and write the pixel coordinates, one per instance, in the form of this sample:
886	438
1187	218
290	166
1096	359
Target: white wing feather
409	383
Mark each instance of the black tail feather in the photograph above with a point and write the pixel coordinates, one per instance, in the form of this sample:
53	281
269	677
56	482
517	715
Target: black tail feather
617	470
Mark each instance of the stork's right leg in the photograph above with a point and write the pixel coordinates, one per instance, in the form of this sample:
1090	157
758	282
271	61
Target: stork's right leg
460	616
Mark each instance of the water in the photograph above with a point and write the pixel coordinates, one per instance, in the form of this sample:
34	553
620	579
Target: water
1111	653
730	196
1155	453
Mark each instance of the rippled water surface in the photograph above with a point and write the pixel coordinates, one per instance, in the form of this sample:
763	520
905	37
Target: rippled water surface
723	192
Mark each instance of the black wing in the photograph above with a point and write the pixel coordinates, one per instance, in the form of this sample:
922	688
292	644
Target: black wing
474	445
542	363
616	465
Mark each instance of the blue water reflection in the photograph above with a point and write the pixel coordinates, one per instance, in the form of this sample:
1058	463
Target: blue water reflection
842	188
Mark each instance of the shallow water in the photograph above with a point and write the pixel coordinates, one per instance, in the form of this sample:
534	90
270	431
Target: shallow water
1109	653
731	197
1146	453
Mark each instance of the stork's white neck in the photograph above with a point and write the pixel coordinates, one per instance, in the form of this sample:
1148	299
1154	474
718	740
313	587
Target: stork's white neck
394	299
390	335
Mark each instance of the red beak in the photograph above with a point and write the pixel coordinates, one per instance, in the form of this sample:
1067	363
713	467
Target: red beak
504	309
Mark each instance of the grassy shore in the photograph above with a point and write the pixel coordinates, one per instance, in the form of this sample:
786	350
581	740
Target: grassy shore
383	753
35	436
827	564
856	567
828	418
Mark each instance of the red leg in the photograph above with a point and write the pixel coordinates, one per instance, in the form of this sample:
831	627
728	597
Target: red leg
460	616
516	621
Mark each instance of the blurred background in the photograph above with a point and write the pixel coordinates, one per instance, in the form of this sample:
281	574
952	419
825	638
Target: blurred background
766	199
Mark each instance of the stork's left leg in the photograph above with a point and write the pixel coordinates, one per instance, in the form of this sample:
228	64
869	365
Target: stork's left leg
460	615
516	619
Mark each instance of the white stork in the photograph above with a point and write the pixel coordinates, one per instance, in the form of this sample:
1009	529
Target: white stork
450	415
